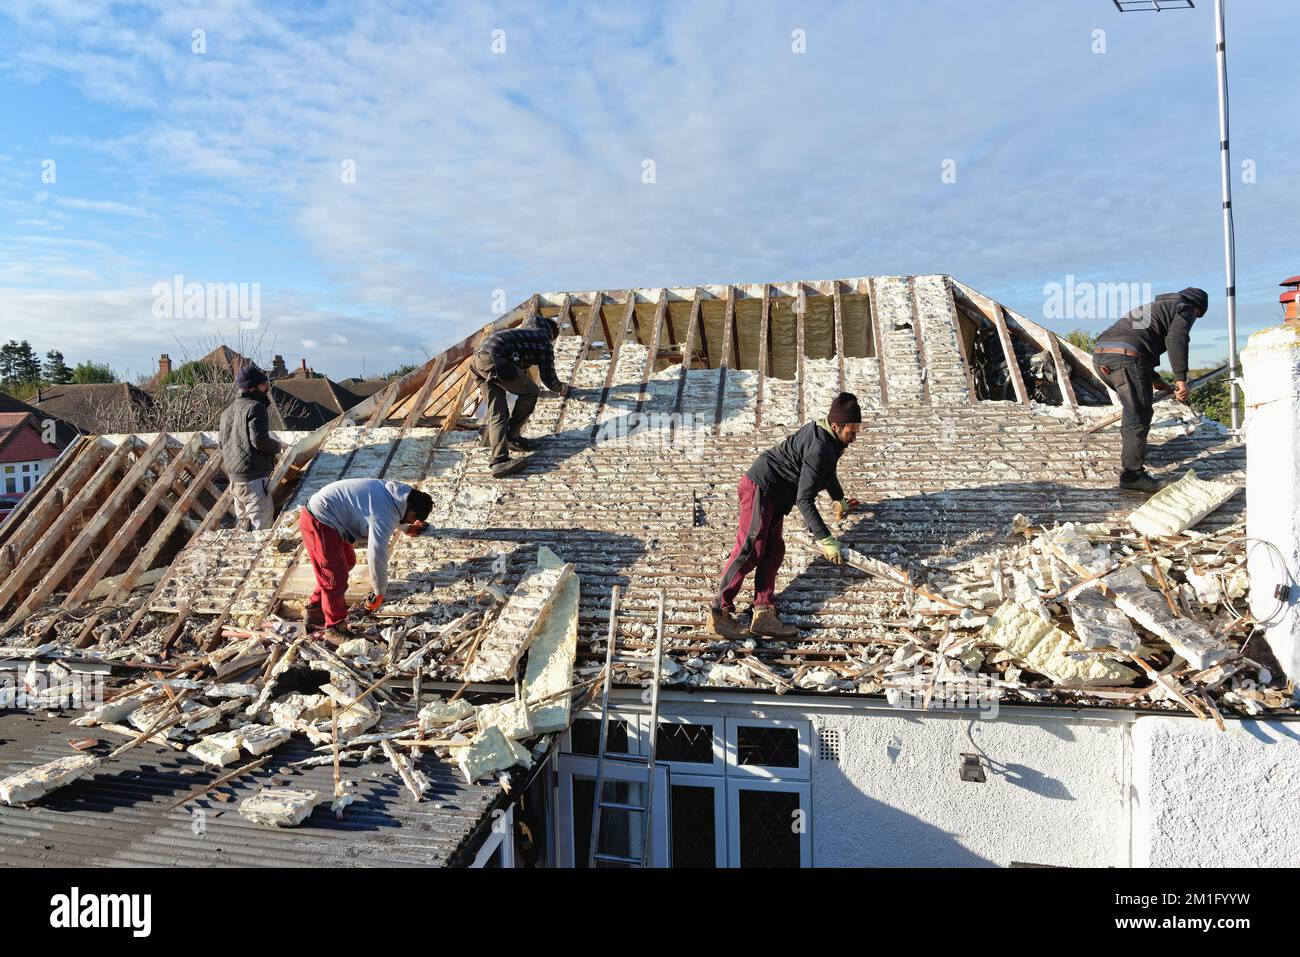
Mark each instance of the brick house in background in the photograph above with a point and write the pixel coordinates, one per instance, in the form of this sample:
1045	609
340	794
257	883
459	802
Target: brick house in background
25	456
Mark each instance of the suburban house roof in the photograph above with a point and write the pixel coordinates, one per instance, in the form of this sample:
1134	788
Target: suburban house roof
64	431
94	408
20	438
307	404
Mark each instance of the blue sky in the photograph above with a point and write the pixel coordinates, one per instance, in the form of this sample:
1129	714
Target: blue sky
522	170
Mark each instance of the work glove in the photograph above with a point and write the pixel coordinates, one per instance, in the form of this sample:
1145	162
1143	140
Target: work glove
372	602
832	548
416	527
844	506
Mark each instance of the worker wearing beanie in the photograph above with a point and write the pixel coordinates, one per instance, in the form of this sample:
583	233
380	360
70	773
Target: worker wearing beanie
247	449
1126	356
791	473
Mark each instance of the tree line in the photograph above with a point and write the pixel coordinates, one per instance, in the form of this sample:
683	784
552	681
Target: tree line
23	371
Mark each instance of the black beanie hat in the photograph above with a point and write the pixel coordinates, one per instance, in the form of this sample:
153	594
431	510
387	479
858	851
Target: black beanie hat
844	408
249	377
1197	297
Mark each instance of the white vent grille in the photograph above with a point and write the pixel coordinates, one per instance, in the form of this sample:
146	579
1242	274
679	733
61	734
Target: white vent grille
828	744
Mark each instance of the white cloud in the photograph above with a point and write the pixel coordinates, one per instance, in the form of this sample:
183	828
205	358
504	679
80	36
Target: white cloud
523	171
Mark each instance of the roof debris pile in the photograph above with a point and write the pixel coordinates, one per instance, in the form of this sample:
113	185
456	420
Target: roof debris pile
1093	613
231	708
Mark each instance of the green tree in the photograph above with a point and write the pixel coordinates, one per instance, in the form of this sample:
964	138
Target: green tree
197	373
399	371
90	373
19	364
57	371
1085	341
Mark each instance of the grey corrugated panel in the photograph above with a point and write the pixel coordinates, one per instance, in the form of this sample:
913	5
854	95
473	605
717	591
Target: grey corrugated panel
118	817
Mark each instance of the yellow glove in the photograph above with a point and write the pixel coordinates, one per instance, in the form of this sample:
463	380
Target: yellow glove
831	548
844	506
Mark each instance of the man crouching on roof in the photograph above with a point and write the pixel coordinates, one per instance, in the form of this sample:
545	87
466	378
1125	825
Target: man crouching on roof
790	473
338	516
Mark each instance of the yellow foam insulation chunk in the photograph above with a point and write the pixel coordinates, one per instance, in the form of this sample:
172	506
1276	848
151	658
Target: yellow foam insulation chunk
490	751
551	658
1046	649
1179	506
510	716
435	714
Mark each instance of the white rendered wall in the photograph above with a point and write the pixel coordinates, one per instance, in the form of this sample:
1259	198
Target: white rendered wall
1062	788
1055	791
1271	366
1210	798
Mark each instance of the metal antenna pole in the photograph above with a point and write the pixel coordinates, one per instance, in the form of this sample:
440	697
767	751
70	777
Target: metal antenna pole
1229	241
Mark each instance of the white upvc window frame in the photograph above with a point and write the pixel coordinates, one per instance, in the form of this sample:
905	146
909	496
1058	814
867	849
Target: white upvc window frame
718	724
803	772
718	784
500	838
736	784
571	766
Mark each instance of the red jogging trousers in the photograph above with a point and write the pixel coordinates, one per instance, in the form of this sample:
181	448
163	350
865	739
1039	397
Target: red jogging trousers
332	559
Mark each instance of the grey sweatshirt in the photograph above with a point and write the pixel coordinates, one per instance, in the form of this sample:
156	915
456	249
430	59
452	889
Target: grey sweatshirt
363	508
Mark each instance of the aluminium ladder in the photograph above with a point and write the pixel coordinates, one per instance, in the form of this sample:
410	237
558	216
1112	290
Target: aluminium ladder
644	762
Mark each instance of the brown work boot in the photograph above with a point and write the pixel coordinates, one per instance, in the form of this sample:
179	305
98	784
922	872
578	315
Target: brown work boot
767	625
315	615
336	635
723	624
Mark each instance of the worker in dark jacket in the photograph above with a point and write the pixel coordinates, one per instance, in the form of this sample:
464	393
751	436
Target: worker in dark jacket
1126	356
500	364
247	449
791	473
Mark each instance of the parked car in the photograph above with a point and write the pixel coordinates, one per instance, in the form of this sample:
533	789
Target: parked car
8	502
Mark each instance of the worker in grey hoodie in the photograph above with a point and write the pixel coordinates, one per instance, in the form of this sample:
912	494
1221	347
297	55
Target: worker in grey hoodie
333	520
247	449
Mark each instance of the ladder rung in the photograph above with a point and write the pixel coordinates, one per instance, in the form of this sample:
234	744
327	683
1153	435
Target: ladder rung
629	660
620	806
617	859
629	758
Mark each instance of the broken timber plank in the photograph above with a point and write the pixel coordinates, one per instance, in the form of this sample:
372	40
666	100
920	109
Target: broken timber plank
513	631
920	341
837	306
1197	646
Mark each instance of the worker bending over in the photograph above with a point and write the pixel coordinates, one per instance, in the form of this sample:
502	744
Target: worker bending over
500	365
1126	356
333	520
790	473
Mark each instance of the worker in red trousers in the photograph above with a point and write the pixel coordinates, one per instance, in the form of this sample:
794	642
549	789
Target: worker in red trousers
336	517
791	473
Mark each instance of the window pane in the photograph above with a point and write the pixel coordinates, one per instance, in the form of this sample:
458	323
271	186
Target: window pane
587	730
620	830
692	743
694	828
767	835
769	747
